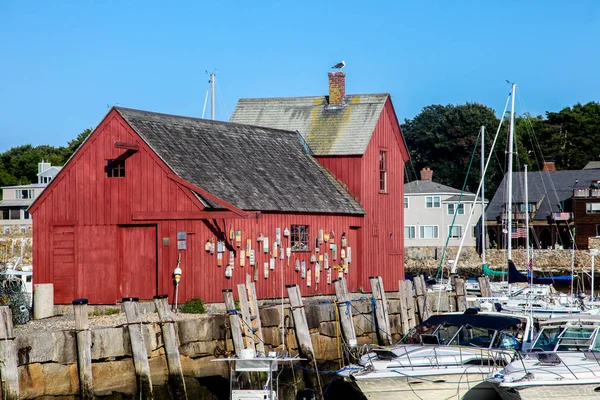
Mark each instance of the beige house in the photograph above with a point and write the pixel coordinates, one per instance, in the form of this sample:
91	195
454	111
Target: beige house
431	208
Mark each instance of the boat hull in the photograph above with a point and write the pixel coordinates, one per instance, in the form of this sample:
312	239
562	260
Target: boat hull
428	387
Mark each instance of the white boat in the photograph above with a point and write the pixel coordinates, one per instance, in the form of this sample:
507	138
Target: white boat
564	362
443	358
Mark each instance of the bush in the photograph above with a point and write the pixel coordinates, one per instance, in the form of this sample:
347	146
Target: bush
194	306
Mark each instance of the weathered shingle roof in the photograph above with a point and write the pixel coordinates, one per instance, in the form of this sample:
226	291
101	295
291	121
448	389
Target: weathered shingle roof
548	187
328	129
592	165
250	167
16	203
428	187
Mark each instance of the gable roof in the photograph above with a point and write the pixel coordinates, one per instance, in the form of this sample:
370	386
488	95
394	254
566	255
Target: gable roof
251	167
328	129
429	187
550	188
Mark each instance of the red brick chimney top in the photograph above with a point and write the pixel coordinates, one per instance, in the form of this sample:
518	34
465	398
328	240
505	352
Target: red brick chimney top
337	87
549	166
426	174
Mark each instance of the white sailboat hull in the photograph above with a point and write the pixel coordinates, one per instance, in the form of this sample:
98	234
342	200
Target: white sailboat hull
548	391
426	387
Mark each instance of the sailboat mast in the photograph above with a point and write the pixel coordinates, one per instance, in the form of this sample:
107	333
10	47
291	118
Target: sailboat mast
527	224
482	195
510	168
212	95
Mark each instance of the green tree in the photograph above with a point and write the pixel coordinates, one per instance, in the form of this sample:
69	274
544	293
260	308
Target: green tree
443	138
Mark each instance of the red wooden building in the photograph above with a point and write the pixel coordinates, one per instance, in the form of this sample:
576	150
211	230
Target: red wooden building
147	192
358	139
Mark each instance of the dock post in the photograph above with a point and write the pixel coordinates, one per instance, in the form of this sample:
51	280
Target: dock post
410	303
131	306
345	311
484	286
403	308
234	321
382	319
84	349
461	302
8	356
419	282
176	380
255	319
246	319
303	334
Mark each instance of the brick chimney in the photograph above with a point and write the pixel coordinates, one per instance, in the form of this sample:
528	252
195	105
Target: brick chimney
337	87
426	174
549	166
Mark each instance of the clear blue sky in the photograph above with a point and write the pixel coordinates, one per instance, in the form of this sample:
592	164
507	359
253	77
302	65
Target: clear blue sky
63	62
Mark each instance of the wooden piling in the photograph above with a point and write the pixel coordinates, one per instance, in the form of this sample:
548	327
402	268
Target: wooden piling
176	380
382	319
424	313
484	286
259	340
459	289
131	306
234	321
410	303
84	349
345	311
8	356
246	320
303	333
403	308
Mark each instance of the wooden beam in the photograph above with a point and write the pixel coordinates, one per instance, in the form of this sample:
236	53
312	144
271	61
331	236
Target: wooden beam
174	215
127	146
138	348
84	349
8	356
382	321
345	311
210	196
234	321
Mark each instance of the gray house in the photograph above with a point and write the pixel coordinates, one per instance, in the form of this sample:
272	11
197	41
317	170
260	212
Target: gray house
429	212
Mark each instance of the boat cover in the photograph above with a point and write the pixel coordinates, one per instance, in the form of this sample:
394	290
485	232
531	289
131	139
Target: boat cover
514	276
485	321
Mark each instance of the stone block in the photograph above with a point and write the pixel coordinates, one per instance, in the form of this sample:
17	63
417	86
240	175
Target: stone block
363	323
109	343
60	380
393	306
31	381
200	349
202	367
272	336
270	316
326	348
64	347
362	306
158	370
330	329
395	324
33	348
317	313
114	376
201	329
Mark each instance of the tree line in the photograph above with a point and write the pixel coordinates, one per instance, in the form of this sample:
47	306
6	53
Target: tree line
443	138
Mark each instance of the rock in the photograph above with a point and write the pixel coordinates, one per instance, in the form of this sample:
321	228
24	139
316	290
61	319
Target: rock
31	381
270	316
329	329
114	376
317	313
202	329
201	367
34	348
64	347
199	349
362	306
325	348
272	336
393	306
109	343
60	380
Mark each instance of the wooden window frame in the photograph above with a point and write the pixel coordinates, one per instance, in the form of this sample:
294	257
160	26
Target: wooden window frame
383	172
299	238
115	168
456	207
406	203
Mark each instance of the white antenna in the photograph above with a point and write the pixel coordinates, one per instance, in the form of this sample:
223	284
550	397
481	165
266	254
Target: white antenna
211	81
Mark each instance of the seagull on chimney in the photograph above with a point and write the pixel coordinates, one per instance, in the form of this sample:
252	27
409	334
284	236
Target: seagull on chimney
339	65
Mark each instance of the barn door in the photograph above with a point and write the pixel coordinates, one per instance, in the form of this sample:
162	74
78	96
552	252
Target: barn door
138	275
63	263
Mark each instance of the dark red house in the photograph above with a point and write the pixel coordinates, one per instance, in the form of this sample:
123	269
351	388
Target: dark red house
147	191
358	139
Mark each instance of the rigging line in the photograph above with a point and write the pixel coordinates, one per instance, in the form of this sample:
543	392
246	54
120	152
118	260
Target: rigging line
484	171
551	181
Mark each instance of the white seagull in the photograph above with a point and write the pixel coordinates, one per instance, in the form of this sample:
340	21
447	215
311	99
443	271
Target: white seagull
339	65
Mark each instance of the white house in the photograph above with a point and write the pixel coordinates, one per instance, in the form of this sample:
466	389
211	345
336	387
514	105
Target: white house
433	211
17	199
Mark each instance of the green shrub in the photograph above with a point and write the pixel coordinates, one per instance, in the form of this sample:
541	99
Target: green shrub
194	306
112	311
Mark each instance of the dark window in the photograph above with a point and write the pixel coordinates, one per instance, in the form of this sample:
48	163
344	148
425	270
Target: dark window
25	215
383	171
597	230
299	235
115	168
5	213
15	213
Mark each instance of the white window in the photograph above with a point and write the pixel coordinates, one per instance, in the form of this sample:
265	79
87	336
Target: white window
428	232
409	232
405	202
23	229
7	229
458	207
432	202
592	208
23	194
455	231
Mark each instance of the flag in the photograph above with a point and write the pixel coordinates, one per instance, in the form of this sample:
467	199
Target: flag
519	233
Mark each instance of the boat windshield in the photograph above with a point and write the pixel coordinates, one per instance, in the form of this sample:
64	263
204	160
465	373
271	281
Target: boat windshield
465	335
572	338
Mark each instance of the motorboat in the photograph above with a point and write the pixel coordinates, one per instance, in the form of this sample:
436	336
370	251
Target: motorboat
442	358
563	362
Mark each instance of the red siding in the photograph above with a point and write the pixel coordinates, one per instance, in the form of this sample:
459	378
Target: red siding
347	170
97	208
